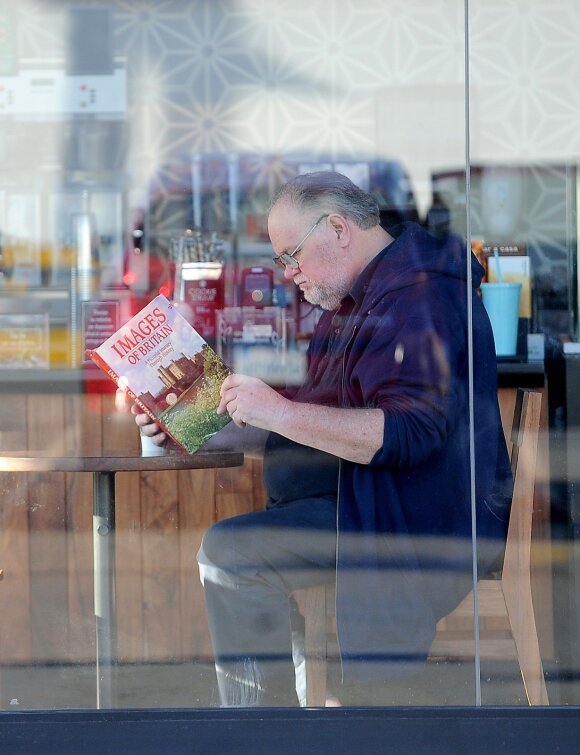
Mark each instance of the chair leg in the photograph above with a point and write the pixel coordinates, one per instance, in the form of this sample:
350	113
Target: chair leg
313	603
524	631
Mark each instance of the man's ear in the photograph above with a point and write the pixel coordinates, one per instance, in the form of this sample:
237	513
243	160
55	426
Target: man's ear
341	227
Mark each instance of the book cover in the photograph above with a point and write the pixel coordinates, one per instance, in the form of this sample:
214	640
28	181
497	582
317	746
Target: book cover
169	370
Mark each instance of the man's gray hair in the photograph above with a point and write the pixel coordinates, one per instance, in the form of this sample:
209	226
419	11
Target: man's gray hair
327	191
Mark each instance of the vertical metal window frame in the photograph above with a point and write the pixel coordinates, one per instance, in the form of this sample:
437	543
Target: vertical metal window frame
477	654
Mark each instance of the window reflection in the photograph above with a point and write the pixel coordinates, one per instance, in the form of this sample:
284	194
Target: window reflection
140	147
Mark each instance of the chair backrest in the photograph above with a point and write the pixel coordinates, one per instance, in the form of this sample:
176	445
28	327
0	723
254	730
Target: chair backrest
517	567
524	435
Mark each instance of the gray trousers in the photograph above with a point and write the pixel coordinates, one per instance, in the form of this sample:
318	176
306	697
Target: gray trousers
249	566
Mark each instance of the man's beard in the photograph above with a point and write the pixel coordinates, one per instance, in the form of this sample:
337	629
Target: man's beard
324	297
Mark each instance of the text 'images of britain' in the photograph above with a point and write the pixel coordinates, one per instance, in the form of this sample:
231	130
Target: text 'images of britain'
168	369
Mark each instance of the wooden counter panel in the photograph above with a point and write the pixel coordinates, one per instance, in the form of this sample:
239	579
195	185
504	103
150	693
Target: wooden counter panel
15	634
119	431
197	491
160	565
47	516
129	566
46	597
15	625
86	435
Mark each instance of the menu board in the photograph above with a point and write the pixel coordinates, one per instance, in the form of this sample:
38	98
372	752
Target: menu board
100	321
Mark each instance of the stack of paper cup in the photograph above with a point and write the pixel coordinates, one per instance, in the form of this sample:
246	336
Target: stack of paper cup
502	302
148	448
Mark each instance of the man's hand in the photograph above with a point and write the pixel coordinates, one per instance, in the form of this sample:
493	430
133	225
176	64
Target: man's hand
142	420
352	434
249	400
148	427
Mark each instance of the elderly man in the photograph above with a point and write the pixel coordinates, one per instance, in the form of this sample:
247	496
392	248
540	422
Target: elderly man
367	465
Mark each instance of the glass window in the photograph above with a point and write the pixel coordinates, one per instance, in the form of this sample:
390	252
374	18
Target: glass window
141	147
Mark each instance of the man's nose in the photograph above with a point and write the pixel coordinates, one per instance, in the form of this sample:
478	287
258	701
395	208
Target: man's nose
290	272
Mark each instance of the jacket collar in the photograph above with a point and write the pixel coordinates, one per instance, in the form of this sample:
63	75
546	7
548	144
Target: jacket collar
362	284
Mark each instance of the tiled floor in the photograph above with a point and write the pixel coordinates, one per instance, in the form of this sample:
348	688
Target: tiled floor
192	685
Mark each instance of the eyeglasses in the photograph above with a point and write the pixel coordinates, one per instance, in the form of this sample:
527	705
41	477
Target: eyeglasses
288	258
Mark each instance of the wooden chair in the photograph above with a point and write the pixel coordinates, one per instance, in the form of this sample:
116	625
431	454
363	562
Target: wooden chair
504	603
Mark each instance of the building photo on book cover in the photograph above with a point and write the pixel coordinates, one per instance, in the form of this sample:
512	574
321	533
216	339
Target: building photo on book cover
169	370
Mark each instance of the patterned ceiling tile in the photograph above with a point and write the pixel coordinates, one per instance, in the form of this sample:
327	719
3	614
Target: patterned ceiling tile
424	43
286	122
301	74
202	48
319	77
338	49
524	60
41	31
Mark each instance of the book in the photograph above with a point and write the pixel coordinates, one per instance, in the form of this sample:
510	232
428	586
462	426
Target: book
169	370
